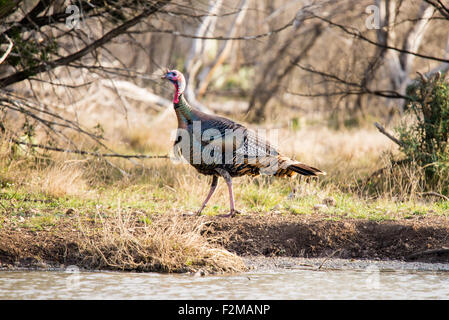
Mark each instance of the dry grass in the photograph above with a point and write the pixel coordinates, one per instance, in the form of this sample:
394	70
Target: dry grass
133	241
57	177
348	156
62	180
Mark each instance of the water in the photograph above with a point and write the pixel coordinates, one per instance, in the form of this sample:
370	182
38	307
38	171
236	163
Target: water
276	284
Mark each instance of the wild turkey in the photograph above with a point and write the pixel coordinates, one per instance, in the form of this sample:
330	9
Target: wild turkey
217	146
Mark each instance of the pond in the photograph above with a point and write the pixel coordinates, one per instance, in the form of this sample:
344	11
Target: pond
371	281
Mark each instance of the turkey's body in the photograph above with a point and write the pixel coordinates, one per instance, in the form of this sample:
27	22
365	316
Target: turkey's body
220	147
209	143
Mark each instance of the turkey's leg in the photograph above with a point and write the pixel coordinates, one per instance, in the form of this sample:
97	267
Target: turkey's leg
213	186
228	180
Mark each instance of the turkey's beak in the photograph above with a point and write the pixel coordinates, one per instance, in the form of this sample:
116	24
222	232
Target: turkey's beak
164	76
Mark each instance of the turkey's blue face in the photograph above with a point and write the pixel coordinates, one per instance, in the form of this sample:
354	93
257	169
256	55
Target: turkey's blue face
172	76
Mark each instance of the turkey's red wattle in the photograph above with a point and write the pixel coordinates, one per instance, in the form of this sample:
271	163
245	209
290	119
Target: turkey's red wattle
176	96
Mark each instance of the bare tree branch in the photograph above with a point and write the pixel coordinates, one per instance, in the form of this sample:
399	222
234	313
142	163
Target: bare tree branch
389	136
89	153
45	66
220	38
357	34
443	9
8	50
363	89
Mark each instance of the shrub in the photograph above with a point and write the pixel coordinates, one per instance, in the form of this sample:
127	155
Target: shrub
425	140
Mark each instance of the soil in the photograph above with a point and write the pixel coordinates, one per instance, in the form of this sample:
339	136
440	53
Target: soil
424	239
421	239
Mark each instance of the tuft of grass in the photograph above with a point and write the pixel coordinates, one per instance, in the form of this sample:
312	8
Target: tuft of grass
165	243
62	180
259	198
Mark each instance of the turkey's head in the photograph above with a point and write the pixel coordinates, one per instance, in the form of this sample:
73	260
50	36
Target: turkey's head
178	80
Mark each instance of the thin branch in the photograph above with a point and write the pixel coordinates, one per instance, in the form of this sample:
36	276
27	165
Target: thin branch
198	16
19	104
220	38
440	7
391	166
428	252
381	93
8	50
71	86
84	152
359	35
383	131
434	194
362	88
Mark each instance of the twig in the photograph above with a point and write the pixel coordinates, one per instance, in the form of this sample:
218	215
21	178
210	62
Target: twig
379	171
361	89
219	38
357	34
435	194
382	130
328	257
97	154
8	50
442	250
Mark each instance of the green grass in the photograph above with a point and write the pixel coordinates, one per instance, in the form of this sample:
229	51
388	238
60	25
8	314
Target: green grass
37	211
40	196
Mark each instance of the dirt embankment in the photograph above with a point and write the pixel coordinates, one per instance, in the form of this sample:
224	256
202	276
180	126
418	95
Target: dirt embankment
421	239
425	239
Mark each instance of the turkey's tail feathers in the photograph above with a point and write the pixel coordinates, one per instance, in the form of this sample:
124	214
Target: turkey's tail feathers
305	170
287	167
278	166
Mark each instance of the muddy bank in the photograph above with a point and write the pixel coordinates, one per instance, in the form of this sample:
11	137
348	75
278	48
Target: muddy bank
425	239
421	239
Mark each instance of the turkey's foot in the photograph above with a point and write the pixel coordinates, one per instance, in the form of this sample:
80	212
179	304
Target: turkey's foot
198	213
229	215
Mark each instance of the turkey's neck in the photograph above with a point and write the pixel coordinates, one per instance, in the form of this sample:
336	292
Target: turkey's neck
183	111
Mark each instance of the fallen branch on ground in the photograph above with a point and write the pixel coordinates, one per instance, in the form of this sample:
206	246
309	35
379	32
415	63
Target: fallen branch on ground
439	251
434	194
